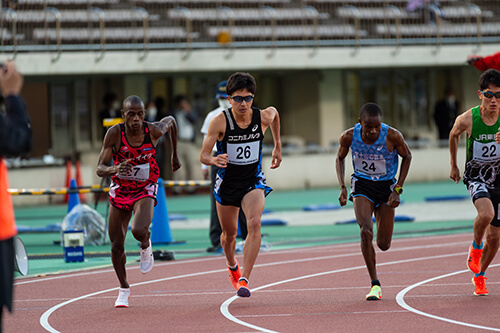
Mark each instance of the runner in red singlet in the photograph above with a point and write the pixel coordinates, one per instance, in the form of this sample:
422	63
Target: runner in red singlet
134	175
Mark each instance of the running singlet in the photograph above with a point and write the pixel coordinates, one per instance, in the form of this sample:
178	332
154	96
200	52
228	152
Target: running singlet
244	149
374	161
483	153
143	160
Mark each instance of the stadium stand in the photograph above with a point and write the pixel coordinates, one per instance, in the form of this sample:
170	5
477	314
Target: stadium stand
80	16
29	24
84	34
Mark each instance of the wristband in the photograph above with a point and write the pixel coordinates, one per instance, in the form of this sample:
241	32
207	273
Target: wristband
398	189
342	187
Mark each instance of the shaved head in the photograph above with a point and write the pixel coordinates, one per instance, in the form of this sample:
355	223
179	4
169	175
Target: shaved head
132	100
370	110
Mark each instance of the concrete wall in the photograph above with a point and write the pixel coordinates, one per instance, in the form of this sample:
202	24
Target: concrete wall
331	106
296	172
318	170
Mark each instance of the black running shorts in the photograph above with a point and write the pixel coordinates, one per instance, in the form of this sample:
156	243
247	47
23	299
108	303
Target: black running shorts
479	190
376	191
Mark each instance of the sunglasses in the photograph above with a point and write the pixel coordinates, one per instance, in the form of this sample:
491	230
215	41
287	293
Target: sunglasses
489	94
240	99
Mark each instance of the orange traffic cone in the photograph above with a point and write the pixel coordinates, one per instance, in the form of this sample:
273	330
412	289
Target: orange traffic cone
79	181
68	178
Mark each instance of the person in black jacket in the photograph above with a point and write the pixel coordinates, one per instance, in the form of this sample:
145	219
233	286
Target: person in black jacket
15	139
445	113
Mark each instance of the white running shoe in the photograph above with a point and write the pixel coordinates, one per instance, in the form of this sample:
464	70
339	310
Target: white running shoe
147	259
123	296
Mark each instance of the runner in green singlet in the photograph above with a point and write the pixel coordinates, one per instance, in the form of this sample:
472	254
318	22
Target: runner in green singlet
482	166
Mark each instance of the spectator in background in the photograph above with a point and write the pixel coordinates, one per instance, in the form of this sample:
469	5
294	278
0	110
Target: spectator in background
160	104
15	139
162	145
188	151
427	8
215	227
445	113
111	109
151	111
484	63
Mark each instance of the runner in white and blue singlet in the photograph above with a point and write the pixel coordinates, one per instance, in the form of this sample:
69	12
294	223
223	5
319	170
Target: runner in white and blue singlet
244	167
375	148
240	181
373	162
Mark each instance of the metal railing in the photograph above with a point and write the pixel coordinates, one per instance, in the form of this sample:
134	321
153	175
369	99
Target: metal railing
322	23
57	16
102	37
145	25
13	35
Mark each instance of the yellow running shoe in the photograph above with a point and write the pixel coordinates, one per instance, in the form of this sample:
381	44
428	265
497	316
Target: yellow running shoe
478	282
235	275
375	294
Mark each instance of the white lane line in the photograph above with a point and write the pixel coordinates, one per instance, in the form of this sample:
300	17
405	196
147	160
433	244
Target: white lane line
224	308
55	276
85	273
319	314
400	299
45	316
44	319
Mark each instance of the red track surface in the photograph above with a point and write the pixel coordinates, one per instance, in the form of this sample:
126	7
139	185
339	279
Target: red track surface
317	289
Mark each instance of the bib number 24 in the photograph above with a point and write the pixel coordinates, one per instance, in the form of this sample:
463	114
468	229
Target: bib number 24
368	167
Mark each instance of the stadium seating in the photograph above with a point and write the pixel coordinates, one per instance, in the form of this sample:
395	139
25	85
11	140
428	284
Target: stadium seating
455	30
65	2
80	15
113	34
32	23
383	13
287	31
252	14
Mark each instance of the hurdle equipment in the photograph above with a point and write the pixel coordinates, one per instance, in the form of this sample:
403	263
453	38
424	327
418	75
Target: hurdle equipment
97	188
164	235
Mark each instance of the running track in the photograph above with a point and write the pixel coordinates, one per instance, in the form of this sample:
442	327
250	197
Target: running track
425	285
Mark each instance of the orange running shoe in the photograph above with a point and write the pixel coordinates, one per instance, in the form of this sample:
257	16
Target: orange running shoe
474	260
235	275
478	281
243	290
